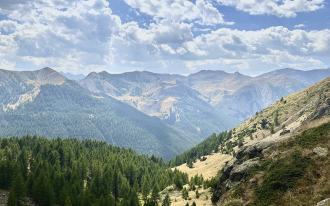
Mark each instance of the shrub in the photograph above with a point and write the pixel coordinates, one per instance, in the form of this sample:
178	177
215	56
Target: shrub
281	176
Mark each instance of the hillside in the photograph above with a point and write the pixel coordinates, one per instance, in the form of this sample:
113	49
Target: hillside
45	103
283	136
74	172
293	172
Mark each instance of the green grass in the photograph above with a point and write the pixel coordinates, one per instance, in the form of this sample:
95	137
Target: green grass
313	137
281	176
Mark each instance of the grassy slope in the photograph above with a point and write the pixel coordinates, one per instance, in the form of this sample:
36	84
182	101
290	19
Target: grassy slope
289	109
291	174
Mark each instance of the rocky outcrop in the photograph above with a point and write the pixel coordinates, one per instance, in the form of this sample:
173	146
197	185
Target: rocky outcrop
320	151
240	171
238	168
253	151
325	202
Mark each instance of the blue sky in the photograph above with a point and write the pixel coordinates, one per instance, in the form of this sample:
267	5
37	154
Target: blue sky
168	36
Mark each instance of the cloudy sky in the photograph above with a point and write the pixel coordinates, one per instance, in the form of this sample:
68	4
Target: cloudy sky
175	36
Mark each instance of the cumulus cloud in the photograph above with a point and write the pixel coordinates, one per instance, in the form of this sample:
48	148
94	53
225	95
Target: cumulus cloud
281	8
55	31
202	11
86	35
299	26
166	45
275	46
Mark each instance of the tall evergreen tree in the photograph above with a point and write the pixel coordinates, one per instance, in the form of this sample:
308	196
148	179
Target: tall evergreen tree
166	201
17	190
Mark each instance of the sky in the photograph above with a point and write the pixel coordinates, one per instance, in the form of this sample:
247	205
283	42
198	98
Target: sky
164	36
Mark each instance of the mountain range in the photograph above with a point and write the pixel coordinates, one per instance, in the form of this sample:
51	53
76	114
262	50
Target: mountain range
186	102
160	114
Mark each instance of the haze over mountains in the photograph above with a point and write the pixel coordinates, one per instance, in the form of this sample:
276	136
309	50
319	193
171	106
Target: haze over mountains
159	114
223	99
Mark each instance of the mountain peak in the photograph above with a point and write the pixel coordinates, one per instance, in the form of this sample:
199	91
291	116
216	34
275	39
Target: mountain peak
104	73
97	75
206	71
47	70
48	75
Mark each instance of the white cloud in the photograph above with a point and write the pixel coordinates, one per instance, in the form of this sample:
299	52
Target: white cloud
274	47
49	33
299	26
281	8
240	43
202	11
86	35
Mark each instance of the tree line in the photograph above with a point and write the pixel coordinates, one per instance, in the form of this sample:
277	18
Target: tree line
208	146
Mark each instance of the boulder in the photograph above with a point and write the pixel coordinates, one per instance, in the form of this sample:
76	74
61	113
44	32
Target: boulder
325	202
321	151
240	171
250	152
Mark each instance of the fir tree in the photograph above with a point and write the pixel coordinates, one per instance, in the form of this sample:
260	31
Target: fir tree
166	201
17	191
185	194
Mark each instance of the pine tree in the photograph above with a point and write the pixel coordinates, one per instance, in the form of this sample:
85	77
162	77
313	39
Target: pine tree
197	194
190	164
145	188
149	202
185	194
155	194
17	190
42	191
166	201
67	202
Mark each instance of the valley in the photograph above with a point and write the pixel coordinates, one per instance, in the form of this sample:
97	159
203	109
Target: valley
130	109
287	141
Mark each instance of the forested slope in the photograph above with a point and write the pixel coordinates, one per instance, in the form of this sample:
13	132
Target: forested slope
73	172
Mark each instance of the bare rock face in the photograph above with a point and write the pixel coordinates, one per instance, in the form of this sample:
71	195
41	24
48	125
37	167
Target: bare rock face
325	202
249	152
320	151
240	171
237	169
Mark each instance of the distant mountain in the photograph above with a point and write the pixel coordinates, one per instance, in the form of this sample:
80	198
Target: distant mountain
71	76
203	102
240	96
167	97
46	103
